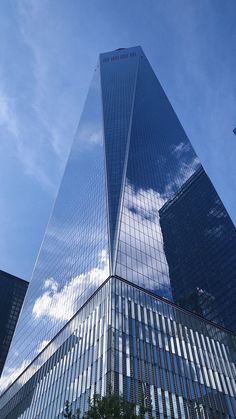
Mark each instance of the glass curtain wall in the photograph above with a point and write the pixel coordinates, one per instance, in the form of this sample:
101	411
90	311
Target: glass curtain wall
73	260
141	345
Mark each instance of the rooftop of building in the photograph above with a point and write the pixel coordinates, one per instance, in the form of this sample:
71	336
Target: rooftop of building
4	274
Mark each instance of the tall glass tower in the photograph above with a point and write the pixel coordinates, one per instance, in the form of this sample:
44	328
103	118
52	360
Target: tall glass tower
100	310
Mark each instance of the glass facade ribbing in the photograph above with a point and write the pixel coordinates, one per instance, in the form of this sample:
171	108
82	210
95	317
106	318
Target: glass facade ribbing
130	160
138	344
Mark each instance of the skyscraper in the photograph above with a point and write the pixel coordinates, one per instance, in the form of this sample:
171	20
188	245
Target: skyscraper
12	294
99	311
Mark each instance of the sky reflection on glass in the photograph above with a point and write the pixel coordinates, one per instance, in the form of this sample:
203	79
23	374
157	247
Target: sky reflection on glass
73	260
160	159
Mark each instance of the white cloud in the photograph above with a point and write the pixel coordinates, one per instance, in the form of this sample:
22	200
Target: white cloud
49	101
7	114
187	163
38	113
181	148
89	135
42	345
10	375
57	304
30	159
28	156
186	170
51	284
39	355
145	202
141	231
61	239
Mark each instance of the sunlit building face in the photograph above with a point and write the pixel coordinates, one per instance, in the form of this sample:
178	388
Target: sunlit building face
100	308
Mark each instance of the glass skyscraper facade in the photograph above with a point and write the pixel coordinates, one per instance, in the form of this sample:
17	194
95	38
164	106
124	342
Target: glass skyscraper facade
99	311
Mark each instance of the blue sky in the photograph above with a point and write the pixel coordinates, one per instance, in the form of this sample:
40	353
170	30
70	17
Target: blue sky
48	51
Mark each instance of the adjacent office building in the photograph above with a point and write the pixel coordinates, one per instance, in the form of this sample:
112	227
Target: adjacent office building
12	294
100	310
200	241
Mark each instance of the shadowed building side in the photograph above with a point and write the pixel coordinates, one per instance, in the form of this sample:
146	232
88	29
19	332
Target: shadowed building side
200	247
12	294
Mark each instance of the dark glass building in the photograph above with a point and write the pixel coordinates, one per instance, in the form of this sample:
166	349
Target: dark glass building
99	311
199	243
12	294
